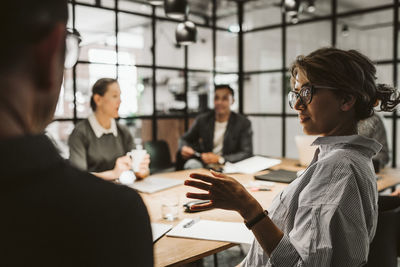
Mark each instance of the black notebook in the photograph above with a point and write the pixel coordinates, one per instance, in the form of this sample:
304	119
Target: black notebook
280	176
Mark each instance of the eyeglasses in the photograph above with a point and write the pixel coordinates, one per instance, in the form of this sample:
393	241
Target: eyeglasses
305	94
72	41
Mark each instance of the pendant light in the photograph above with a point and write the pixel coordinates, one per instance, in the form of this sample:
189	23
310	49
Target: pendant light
345	30
291	6
186	33
176	9
311	6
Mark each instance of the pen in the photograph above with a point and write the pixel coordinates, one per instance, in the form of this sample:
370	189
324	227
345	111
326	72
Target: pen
255	189
191	223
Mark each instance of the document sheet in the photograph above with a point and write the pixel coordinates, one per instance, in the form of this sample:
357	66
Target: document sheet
251	165
159	229
213	230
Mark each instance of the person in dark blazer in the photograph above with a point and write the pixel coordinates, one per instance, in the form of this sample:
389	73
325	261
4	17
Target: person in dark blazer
217	136
53	214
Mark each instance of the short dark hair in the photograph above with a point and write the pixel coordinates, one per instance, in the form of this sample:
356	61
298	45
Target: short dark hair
100	88
224	86
26	22
351	72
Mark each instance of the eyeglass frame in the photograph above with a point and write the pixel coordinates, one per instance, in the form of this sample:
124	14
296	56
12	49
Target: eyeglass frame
73	33
313	87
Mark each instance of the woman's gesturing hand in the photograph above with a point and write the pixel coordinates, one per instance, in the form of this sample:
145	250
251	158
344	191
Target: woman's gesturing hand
224	192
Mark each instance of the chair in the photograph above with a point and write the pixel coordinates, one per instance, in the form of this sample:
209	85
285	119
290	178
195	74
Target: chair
385	246
160	158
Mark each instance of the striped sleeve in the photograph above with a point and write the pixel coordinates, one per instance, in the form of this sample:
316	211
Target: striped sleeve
285	254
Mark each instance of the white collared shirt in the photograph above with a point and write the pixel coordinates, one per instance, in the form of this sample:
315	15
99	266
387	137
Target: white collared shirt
100	130
219	133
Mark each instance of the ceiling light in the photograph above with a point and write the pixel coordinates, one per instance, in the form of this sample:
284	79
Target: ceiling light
311	6
291	6
345	30
311	9
176	9
155	2
294	19
186	33
234	28
290	3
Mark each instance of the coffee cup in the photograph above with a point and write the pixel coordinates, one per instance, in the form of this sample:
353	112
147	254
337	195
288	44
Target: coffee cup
137	156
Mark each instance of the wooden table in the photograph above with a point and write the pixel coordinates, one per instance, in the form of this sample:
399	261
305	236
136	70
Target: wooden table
388	178
170	251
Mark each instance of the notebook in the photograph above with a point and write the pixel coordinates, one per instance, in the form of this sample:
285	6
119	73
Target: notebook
304	148
159	230
280	176
155	184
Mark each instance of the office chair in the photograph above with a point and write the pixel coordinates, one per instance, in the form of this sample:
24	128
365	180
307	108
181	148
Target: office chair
385	246
160	158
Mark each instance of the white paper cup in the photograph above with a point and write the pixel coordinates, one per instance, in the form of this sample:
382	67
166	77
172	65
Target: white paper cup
137	156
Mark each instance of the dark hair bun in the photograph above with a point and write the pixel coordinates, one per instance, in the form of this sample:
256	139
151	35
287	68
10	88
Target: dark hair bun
388	96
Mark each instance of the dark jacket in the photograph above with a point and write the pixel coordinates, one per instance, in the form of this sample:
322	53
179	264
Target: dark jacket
53	214
238	144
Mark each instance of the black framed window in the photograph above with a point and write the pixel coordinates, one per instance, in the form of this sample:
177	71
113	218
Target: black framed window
163	83
368	26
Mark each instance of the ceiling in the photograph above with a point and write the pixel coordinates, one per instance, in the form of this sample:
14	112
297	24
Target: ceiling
257	13
203	8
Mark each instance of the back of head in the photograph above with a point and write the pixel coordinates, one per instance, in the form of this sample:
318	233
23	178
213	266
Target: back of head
352	73
26	22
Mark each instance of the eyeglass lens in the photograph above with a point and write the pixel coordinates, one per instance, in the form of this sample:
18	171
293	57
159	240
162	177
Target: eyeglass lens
304	94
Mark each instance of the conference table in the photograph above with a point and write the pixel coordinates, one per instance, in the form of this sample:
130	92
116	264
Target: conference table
172	251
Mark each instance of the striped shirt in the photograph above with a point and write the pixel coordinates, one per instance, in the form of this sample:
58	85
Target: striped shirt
329	214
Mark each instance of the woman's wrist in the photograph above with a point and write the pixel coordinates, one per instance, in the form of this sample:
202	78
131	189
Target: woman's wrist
114	174
250	209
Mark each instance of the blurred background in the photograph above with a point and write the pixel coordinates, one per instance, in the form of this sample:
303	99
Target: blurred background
247	44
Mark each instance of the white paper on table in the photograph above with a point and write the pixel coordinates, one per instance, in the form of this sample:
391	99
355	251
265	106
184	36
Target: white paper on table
214	230
251	165
155	184
159	229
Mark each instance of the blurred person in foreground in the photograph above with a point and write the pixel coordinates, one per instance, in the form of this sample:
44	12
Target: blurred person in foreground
52	213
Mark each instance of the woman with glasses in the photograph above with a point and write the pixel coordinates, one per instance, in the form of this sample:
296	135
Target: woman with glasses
99	144
328	215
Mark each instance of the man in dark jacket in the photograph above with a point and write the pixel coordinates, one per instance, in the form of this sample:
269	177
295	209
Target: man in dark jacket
216	136
51	213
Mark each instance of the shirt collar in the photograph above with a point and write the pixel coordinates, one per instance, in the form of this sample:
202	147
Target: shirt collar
99	130
27	154
356	140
